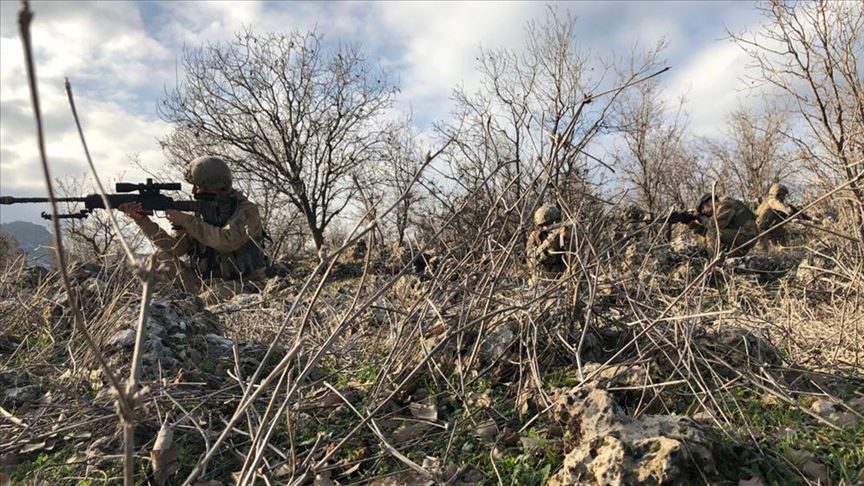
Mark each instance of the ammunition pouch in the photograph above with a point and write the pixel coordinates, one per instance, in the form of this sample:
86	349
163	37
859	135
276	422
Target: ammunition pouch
241	263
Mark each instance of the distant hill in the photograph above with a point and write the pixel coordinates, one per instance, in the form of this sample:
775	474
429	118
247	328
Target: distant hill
32	239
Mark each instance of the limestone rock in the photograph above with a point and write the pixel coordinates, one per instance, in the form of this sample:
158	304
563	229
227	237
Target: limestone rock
765	268
857	404
833	413
612	448
178	334
218	341
32	277
123	338
616	375
823	407
21	395
498	340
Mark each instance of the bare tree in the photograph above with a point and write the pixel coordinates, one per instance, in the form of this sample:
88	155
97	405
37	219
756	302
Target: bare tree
650	153
370	192
94	236
286	112
401	158
525	133
689	175
812	51
753	153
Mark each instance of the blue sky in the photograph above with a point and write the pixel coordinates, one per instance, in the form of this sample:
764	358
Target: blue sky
120	56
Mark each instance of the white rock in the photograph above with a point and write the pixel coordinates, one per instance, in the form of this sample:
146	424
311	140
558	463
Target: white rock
217	340
123	339
823	407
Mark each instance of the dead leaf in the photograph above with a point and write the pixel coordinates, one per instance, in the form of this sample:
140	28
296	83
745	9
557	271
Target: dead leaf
482	400
283	471
487	431
410	431
424	411
323	479
432	465
163	457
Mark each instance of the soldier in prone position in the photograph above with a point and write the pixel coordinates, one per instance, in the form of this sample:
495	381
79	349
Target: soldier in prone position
548	244
224	250
771	212
727	227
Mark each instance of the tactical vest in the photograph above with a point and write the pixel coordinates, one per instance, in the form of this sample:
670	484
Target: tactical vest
242	262
743	216
767	217
552	259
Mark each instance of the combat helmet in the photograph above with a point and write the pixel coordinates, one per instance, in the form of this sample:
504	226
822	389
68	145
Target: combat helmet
705	199
546	214
778	191
633	213
209	171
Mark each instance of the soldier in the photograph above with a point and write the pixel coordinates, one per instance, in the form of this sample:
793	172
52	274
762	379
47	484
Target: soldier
548	244
771	212
731	225
224	249
632	223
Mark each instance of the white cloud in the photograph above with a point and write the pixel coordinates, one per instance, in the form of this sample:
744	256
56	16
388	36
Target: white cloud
119	55
109	57
439	46
712	82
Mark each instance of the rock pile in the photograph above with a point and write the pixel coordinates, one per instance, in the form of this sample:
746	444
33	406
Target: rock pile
765	268
179	335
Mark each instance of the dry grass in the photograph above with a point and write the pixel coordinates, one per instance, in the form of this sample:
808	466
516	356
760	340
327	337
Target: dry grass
387	342
366	371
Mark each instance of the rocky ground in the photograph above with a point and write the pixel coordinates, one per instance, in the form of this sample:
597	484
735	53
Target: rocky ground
459	388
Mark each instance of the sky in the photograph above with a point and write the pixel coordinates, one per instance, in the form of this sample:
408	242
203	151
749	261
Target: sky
120	57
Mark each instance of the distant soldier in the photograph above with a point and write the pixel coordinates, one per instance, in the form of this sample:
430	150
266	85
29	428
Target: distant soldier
223	249
631	223
771	212
730	225
548	244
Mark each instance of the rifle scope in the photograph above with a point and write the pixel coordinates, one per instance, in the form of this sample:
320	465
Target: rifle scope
148	187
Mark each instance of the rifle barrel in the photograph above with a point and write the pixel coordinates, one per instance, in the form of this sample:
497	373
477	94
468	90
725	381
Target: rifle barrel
822	228
19	200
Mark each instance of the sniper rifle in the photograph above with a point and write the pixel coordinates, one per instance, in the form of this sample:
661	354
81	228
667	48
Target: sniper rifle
148	194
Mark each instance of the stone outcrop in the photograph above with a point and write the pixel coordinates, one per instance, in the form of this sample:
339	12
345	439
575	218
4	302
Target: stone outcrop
179	335
765	268
612	448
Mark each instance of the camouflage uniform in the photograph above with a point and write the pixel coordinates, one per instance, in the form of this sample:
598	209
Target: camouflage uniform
771	212
224	250
732	224
548	244
632	223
